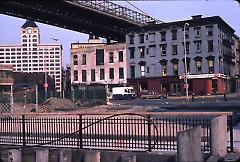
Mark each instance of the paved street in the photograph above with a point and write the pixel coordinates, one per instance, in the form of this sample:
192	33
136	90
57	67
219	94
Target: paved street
200	103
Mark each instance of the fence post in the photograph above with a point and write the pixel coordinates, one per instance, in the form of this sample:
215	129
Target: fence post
80	135
149	133
23	130
231	132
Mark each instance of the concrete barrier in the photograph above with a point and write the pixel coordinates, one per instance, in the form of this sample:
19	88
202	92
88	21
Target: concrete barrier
92	156
42	155
189	145
15	155
128	157
219	136
65	155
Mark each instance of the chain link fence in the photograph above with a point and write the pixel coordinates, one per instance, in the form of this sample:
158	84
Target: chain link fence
29	98
21	99
89	95
5	102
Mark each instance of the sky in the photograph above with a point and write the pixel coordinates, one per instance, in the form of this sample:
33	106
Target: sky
164	10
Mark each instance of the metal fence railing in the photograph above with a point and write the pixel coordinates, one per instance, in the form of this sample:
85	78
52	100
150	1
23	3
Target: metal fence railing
118	132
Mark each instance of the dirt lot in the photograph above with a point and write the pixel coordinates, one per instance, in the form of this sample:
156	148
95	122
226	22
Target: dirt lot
65	105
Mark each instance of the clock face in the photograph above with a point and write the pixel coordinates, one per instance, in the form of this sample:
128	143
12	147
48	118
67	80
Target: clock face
29	30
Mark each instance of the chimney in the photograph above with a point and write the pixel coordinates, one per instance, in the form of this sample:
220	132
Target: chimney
196	16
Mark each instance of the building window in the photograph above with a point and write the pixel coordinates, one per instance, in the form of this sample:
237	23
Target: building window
197	32
142	70
210	30
148	71
142	52
75	75
199	66
163	49
132	72
198	46
121	73
84	75
111	73
210	46
92	74
102	74
187	47
174	49
152	51
75	59
99	56
131	51
152	37
174	34
163	36
141	38
120	56
111	57
186	33
131	39
84	59
211	66
164	70
175	69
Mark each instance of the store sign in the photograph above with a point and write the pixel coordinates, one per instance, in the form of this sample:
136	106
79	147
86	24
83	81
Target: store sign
203	76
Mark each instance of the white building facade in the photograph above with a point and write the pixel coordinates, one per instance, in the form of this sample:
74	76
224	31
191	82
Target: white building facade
32	57
98	63
156	57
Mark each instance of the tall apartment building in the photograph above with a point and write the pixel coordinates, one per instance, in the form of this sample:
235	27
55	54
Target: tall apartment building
32	57
156	57
98	63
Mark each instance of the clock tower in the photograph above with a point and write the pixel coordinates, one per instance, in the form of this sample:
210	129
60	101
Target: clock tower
30	34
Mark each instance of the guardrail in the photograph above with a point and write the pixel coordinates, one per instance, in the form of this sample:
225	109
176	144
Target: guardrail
127	131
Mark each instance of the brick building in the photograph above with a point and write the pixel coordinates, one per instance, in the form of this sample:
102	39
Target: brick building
98	63
156	57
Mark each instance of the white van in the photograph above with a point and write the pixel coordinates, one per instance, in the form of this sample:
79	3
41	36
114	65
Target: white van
121	93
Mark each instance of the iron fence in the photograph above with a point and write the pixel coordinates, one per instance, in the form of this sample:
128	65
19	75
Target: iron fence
119	132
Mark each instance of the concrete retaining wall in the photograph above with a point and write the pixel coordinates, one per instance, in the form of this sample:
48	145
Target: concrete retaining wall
74	155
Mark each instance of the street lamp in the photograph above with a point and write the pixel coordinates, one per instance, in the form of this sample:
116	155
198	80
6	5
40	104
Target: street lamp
185	60
45	75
